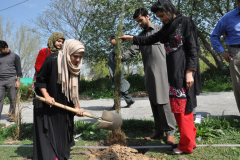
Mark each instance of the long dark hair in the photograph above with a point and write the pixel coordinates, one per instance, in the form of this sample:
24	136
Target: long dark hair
168	7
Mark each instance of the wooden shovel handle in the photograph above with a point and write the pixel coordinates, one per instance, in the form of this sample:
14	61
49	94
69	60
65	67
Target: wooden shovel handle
67	107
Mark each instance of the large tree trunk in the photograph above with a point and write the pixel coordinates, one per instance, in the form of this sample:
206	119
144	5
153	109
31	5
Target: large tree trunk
206	61
217	58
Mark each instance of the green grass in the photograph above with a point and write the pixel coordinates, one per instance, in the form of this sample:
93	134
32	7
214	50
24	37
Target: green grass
215	80
136	130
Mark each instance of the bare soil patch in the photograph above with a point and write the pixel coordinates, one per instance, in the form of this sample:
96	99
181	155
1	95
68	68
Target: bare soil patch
11	141
118	149
117	152
139	94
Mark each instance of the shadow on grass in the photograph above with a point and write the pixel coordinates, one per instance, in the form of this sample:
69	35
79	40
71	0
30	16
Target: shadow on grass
24	152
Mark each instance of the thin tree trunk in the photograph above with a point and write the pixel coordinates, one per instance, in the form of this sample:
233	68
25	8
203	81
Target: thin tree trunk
118	69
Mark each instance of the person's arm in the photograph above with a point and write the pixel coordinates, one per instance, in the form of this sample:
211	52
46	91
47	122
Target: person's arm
17	84
218	31
42	79
18	70
40	59
77	106
191	60
143	40
131	52
191	53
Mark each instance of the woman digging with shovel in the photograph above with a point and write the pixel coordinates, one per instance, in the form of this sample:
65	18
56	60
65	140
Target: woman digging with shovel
57	81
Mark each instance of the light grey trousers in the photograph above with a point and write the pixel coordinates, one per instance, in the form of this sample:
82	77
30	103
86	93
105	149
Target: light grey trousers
126	96
8	84
234	67
164	119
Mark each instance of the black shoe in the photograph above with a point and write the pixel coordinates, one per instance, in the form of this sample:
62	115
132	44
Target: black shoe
176	145
129	104
10	120
171	152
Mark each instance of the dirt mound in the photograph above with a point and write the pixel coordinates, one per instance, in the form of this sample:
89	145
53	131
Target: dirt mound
117	152
116	137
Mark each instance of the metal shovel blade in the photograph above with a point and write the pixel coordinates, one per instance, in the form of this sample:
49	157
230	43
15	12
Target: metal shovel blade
113	117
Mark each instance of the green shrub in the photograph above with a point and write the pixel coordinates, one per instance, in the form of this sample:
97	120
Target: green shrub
137	83
216	80
5	132
101	88
24	90
6	100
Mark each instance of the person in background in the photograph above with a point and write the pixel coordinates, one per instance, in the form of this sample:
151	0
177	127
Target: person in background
180	39
10	68
229	25
156	80
124	83
55	43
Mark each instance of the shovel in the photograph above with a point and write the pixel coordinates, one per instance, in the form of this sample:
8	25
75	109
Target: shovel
108	121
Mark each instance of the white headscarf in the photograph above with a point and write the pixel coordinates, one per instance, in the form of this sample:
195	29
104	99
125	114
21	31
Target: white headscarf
69	82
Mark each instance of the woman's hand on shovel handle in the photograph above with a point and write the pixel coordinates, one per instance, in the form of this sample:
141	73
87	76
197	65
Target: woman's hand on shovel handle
48	99
80	111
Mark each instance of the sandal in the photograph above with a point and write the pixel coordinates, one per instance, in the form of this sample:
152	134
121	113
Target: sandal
171	152
176	145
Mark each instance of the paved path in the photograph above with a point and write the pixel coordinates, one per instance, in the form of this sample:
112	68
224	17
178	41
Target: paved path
214	104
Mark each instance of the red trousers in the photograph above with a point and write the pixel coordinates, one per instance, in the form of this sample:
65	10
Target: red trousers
187	131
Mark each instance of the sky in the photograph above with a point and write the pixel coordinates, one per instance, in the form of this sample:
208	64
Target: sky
23	13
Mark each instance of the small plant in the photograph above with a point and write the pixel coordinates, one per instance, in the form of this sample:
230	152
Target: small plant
90	131
213	127
16	116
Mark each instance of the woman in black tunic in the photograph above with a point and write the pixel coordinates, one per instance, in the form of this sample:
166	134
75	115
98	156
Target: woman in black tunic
179	36
57	81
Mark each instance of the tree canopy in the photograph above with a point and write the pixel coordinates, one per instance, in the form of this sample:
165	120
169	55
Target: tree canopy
93	21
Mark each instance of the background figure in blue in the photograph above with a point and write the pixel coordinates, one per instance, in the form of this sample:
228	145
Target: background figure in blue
229	25
156	78
10	67
124	83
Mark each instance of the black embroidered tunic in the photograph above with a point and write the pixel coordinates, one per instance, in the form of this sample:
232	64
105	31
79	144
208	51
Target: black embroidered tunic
181	56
